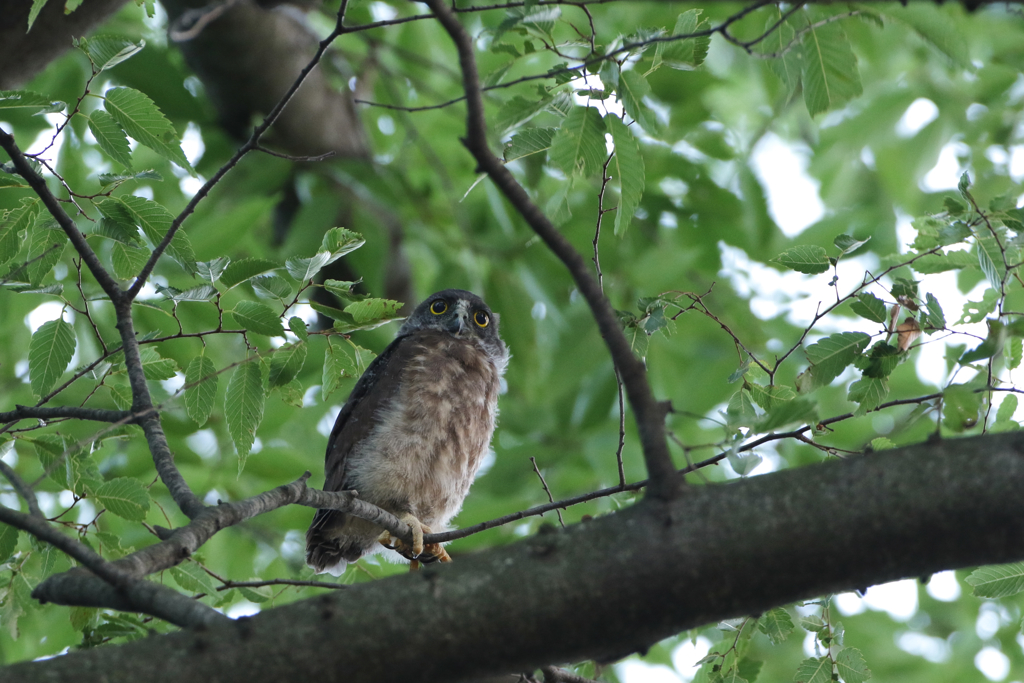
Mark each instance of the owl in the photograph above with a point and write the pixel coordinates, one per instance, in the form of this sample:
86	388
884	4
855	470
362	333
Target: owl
414	431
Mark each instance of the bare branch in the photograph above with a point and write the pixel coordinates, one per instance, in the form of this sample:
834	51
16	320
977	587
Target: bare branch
76	412
650	414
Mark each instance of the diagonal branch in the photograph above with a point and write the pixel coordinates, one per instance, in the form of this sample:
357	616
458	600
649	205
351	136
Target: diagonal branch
650	413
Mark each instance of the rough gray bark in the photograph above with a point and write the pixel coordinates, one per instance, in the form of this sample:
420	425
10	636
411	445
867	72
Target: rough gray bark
617	584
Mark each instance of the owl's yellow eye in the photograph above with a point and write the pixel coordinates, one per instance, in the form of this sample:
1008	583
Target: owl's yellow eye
438	307
481	318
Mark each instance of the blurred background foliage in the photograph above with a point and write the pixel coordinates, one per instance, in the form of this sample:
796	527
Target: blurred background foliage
725	136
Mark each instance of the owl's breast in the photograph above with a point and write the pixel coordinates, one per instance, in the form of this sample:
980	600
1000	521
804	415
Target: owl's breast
432	435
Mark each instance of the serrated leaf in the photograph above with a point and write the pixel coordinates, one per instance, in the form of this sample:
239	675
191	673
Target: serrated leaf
271	287
201	373
26	99
869	306
372	310
1014	352
517	111
49	354
211	271
243	407
197	293
298	327
192	578
833	354
1007	408
805	258
997	581
124	497
744	464
287	362
929	264
628	168
528	141
106	52
110	137
38	289
256	594
814	670
155	366
8	541
770	396
776	624
851	666
882	444
976	311
991	260
830	74
128	260
741	410
578	147
869	392
258	318
880	360
303	269
46	248
117	178
960	407
633	88
341	288
990	346
691	52
240	271
936	27
155	221
783	413
125	233
143	120
787	56
13	226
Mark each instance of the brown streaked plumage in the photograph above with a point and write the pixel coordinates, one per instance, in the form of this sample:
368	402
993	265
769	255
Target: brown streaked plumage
413	432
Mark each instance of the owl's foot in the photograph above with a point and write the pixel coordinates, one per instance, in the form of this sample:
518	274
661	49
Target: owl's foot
417	552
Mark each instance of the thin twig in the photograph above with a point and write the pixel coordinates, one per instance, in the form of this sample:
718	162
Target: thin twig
546	490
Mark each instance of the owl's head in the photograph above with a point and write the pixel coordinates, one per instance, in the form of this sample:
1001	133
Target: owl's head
459	313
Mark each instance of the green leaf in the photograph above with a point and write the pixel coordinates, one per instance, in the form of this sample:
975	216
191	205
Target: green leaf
776	624
202	375
830	75
1014	352
128	260
869	392
335	369
805	258
258	318
107	179
106	52
991	260
26	99
628	168
142	120
33	14
49	354
976	311
903	287
869	306
517	111
770	396
211	271
880	361
256	594
8	541
882	444
243	407
1007	408
997	581
110	137
814	670
303	269
124	497
848	243
197	293
191	577
741	410
936	27
960	407
271	287
298	327
787	59
783	413
373	310
851	666
633	88
14	224
155	220
990	346
156	367
833	354
287	362
245	269
528	141
46	248
930	264
689	53
578	147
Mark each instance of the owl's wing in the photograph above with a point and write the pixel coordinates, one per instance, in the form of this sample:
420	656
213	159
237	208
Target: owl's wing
360	414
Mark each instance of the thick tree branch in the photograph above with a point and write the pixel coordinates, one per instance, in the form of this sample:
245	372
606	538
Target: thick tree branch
57	412
650	413
619	583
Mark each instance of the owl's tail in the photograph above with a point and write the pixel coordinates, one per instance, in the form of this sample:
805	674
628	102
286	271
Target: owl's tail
323	548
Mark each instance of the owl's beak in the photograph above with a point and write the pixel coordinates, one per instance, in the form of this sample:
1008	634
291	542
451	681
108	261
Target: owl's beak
459	325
